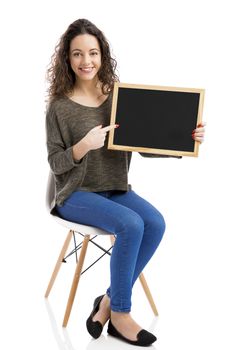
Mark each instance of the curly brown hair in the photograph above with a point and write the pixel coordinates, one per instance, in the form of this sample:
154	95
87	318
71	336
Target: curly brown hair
60	75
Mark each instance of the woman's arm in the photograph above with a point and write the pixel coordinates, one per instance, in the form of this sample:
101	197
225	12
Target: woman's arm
60	158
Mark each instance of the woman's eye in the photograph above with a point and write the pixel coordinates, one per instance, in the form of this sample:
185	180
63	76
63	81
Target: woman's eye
94	53
77	54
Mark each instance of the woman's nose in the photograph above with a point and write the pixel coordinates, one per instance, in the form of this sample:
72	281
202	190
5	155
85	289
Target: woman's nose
86	59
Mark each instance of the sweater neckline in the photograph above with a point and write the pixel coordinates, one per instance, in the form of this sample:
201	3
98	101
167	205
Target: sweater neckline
88	107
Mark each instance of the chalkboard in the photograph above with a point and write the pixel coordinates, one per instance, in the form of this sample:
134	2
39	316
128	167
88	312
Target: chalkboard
155	119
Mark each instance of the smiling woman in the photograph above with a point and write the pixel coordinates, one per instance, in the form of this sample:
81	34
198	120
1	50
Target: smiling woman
91	180
82	47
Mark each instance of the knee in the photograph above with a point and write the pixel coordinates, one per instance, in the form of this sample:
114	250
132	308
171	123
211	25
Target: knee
157	225
134	225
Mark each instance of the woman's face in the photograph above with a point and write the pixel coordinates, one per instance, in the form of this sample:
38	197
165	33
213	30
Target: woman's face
85	56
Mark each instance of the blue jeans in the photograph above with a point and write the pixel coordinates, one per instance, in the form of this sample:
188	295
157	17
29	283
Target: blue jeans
138	226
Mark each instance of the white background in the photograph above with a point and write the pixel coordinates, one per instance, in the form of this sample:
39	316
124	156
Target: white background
174	43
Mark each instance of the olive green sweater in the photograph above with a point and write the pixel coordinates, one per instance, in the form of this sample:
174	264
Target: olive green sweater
67	122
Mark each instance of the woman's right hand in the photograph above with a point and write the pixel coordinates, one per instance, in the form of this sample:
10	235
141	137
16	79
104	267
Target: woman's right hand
95	138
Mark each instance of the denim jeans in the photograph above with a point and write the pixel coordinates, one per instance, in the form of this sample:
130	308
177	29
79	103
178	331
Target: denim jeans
137	225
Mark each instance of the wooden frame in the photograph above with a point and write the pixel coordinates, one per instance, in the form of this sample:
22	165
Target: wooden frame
155	119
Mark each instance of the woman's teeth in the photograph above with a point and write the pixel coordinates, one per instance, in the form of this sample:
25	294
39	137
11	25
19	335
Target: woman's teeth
86	70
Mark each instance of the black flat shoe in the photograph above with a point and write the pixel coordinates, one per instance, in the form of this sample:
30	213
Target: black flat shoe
145	338
95	328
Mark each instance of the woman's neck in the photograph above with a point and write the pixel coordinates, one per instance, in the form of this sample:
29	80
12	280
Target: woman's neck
87	88
88	93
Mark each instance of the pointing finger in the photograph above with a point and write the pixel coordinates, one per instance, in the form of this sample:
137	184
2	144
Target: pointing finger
110	127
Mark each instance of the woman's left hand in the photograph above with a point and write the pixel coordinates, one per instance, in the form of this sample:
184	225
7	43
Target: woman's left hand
198	134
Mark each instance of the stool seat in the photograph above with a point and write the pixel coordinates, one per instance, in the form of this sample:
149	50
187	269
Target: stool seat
85	229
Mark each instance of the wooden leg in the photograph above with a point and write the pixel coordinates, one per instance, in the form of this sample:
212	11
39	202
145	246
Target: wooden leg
144	285
112	239
148	293
76	278
59	262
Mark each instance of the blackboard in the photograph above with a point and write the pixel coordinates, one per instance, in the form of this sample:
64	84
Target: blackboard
155	119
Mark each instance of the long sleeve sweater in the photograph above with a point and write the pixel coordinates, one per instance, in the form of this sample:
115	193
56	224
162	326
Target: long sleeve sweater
67	122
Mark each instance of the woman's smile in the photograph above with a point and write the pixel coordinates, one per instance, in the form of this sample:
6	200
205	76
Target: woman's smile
86	70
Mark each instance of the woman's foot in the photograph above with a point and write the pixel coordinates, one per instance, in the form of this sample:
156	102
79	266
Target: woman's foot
122	326
103	313
125	325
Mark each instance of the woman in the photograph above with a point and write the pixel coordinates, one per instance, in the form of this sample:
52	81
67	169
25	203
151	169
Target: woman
91	181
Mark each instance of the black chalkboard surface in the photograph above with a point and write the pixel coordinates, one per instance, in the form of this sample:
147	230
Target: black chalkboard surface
155	119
